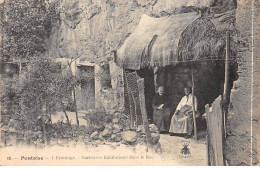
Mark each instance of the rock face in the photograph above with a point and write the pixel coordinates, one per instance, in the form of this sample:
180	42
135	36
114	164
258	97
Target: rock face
98	27
129	136
238	142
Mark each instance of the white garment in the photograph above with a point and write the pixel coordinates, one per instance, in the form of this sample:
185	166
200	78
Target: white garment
187	100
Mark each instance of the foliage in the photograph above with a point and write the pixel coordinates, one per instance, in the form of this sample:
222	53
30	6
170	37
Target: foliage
96	119
39	91
26	26
9	97
63	130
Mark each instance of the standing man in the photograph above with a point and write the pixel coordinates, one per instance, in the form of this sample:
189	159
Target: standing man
161	114
182	120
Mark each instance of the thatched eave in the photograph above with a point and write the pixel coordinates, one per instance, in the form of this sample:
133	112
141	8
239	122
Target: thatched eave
154	42
183	38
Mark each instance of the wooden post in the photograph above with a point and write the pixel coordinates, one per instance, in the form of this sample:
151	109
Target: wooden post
140	83
216	122
207	136
44	131
193	107
155	73
75	104
226	83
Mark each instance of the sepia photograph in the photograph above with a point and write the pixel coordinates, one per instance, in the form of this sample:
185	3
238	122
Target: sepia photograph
129	82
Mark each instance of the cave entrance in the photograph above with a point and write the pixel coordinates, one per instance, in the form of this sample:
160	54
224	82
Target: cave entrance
208	83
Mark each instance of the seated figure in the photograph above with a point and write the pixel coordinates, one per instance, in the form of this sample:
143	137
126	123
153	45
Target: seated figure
161	114
182	120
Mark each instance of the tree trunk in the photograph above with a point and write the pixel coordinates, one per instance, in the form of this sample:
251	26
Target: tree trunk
43	123
44	131
65	113
48	109
75	104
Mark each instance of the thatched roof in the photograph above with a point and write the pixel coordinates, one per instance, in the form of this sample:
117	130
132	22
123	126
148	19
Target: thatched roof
171	40
204	41
154	41
200	41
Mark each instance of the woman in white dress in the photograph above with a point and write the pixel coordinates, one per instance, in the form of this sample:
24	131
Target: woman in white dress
182	121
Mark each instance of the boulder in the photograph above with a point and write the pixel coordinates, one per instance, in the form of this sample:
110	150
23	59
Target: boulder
113	136
140	139
153	128
118	138
108	127
115	121
122	122
117	115
129	136
155	137
94	135
140	128
106	132
116	128
99	127
127	125
101	138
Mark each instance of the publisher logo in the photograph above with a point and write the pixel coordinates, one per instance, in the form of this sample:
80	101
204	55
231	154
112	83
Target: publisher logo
185	151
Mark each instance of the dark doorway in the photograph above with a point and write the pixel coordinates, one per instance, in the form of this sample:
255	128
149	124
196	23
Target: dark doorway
86	91
208	82
149	89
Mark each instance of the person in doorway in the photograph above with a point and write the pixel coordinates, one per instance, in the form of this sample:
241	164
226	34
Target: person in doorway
182	120
161	114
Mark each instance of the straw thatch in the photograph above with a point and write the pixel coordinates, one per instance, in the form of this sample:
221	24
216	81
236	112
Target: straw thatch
154	41
182	38
200	41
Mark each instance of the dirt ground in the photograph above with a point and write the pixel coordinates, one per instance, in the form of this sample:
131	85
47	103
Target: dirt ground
102	153
171	145
76	153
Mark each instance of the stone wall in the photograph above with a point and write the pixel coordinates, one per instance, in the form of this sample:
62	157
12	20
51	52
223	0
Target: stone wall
242	118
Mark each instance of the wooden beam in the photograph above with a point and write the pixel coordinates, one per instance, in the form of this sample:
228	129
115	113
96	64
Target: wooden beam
140	83
207	135
193	107
226	83
155	74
